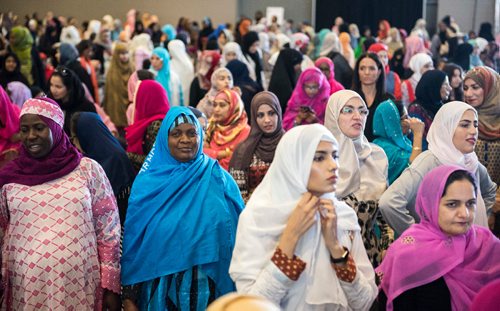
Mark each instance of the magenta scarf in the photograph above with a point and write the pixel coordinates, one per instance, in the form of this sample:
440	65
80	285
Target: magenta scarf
423	253
299	97
151	104
9	116
62	159
334	84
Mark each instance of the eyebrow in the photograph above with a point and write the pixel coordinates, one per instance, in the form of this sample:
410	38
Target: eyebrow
351	106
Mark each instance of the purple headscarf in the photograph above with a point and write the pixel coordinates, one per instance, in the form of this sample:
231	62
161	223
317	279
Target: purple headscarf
62	159
424	253
299	97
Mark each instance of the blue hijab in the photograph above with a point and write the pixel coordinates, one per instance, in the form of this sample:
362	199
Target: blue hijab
387	129
99	144
180	215
170	31
68	53
163	76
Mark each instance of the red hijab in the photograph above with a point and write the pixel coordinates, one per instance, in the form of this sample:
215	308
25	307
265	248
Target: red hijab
151	104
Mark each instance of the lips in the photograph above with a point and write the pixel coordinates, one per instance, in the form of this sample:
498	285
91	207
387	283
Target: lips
357	126
268	127
332	179
34	148
471	141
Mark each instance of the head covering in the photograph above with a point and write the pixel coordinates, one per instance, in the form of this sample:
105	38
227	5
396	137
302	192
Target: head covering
206	104
318	41
240	74
424	253
181	63
428	91
221	133
61	160
21	43
417	62
300	98
389	136
133	80
235	48
355	154
244	26
383	33
248	40
71	35
345	45
208	62
9	76
170	31
108	152
283	77
19	92
68	53
462	55
157	217
334	84
9	117
163	76
265	217
299	40
485	31
413	45
258	142
379	47
330	44
489	110
151	104
141	41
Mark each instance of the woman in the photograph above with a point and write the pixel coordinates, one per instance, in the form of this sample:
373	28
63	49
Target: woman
208	62
251	51
369	83
11	70
9	127
67	90
182	202
392	80
331	49
67	55
284	75
252	158
249	88
432	90
182	65
442	262
151	106
452	138
115	90
141	48
70	230
226	128
296	244
395	43
221	79
346	49
308	102
231	51
413	45
391	125
18	93
455	76
132	84
21	44
419	64
363	169
463	55
94	140
160	63
328	69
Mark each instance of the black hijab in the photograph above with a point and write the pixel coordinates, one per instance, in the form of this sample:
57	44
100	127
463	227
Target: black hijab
462	54
283	77
428	91
249	39
8	76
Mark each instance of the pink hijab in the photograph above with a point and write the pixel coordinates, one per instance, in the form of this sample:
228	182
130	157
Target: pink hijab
299	97
413	45
334	84
9	116
423	253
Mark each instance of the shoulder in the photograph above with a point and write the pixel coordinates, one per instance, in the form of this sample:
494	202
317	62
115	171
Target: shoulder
425	162
378	152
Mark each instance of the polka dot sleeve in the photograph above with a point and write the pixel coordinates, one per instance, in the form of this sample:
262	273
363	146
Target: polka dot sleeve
347	272
292	268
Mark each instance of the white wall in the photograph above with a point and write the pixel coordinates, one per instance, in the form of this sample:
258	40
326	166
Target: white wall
463	12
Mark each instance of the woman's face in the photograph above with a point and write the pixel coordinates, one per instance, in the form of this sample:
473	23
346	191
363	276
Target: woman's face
456	79
323	175
183	142
58	90
352	118
465	136
368	71
311	88
230	56
221	110
10	64
253	48
428	66
267	119
445	90
156	62
124	57
223	80
222	40
325	69
35	136
457	208
473	93
384	57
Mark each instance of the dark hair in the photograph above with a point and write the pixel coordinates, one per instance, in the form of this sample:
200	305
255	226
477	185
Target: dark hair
144	74
76	92
356	82
457	176
83	45
73	125
401	108
16	59
449	69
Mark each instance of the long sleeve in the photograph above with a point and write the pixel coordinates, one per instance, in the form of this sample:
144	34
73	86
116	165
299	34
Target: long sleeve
488	188
107	227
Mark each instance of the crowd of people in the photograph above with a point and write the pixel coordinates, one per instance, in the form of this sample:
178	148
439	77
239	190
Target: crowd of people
151	167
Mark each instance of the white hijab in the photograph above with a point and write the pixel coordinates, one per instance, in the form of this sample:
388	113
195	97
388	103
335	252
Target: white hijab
417	62
440	139
362	166
266	214
236	48
182	65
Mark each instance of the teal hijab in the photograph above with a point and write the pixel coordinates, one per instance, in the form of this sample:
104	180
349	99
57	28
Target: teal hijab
387	129
163	76
180	214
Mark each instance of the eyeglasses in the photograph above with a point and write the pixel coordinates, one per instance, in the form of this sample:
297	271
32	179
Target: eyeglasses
350	111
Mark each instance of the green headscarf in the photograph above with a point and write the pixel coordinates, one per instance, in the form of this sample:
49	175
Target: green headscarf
21	42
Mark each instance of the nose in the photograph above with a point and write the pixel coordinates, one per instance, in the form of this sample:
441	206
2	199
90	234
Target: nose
463	211
333	165
31	134
356	114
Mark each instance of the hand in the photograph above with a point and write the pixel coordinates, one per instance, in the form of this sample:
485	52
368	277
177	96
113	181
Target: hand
416	125
111	301
311	117
329	227
300	220
129	305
